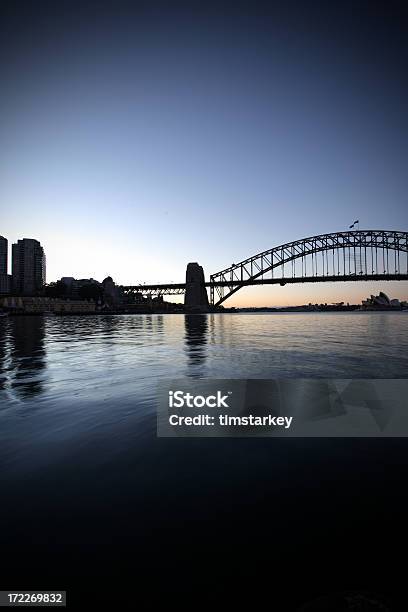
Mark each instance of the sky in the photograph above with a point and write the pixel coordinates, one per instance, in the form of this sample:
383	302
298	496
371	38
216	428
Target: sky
136	137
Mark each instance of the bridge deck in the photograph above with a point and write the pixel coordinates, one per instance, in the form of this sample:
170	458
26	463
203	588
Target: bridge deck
179	288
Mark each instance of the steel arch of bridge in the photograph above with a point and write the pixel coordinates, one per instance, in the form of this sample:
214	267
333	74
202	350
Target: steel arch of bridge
363	254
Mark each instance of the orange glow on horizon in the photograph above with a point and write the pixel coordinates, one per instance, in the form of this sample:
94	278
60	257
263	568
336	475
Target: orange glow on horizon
315	293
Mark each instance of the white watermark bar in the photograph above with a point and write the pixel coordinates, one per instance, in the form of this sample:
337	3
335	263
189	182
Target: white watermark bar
16	598
289	407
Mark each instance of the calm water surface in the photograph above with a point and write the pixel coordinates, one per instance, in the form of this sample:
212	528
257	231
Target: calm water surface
79	453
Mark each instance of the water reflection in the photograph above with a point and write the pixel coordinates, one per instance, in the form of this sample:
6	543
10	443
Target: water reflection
3	352
196	332
24	356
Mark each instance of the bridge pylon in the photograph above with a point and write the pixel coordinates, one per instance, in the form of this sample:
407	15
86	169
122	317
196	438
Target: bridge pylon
196	298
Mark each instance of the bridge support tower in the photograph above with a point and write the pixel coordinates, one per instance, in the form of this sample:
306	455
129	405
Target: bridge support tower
196	298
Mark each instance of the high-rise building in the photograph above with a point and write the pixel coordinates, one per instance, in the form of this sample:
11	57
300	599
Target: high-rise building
5	284
5	279
3	255
28	266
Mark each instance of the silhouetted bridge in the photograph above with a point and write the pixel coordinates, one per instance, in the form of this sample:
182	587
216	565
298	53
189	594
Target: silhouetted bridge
362	255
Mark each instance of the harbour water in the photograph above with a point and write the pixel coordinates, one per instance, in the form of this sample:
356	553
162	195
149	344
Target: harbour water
88	490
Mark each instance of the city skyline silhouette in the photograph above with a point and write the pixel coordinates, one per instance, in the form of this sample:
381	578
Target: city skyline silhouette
136	141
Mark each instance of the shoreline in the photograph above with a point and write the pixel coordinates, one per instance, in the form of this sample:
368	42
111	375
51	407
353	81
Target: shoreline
232	312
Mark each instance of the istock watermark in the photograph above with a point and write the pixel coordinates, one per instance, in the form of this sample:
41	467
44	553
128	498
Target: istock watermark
282	407
179	399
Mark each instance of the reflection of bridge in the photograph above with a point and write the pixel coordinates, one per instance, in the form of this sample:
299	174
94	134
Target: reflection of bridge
363	255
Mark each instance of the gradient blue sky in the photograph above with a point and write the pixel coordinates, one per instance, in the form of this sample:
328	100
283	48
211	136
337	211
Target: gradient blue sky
136	137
